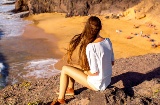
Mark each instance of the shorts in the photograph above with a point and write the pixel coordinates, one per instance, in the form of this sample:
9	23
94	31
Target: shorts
98	84
92	85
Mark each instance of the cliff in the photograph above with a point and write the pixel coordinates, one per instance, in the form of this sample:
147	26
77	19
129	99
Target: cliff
132	8
75	7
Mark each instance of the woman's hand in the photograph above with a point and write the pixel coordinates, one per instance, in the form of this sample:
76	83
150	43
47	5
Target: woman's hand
86	72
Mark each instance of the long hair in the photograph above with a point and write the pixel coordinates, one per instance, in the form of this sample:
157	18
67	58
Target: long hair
88	35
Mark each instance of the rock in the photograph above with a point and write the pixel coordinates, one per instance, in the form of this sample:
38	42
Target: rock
129	37
140	15
118	31
114	16
21	5
74	7
107	17
136	26
154	45
150	89
135	81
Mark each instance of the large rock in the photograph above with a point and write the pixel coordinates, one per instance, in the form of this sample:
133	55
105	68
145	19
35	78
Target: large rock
21	5
139	85
42	92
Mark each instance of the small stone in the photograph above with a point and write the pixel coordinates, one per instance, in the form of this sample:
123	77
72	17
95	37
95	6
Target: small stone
129	37
154	45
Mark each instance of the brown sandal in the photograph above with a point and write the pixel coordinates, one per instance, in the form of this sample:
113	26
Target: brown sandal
58	102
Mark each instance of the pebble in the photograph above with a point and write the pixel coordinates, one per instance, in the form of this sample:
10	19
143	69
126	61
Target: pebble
129	37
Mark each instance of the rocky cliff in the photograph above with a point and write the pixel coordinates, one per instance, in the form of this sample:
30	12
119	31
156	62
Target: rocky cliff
133	8
75	7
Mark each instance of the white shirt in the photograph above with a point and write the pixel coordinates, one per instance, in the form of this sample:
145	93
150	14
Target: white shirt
100	55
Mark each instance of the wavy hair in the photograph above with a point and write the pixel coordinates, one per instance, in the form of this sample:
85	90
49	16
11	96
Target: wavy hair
88	35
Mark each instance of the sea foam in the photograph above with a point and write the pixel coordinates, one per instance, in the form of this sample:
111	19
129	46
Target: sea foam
41	68
32	70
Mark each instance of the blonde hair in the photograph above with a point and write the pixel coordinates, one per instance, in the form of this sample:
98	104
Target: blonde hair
88	35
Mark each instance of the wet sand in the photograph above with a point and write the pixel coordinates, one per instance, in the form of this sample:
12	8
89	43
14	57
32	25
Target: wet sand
33	44
17	51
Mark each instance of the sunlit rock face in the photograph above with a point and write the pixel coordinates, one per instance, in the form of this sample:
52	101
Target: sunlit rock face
75	7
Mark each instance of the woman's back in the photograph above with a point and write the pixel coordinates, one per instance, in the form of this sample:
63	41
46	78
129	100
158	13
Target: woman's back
100	55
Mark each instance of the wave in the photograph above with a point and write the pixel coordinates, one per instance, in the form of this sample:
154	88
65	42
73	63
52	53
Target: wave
32	70
10	23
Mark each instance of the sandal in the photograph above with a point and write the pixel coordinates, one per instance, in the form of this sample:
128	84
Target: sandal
69	91
58	102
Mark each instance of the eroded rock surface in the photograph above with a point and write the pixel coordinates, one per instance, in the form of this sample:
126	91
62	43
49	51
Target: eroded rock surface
139	85
75	7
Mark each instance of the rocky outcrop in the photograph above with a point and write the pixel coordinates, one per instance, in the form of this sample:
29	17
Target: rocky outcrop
21	5
145	8
42	92
135	81
111	8
75	7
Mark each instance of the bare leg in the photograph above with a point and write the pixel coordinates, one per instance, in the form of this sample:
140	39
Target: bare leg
64	79
71	83
76	74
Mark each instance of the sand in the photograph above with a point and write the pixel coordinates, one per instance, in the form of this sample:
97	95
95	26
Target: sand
48	40
125	43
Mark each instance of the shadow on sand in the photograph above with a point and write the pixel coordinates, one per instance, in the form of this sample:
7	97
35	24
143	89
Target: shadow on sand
131	79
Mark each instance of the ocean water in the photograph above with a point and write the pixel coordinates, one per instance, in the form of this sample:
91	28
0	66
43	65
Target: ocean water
32	70
11	25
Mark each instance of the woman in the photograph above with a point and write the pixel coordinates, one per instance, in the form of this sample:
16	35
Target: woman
95	59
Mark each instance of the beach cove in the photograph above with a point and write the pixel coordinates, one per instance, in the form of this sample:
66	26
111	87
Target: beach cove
127	43
35	59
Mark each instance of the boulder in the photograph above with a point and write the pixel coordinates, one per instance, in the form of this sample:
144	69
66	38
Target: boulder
135	81
42	92
21	5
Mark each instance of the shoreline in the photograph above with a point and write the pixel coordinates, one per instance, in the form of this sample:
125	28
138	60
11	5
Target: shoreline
50	39
20	52
33	32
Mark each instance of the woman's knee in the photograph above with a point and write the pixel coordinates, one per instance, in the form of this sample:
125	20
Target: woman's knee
65	68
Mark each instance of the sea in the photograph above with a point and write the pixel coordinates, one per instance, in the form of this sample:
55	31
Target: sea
12	27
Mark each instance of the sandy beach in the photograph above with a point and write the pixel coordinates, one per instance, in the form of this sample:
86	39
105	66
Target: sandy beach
130	37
